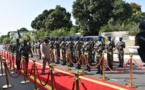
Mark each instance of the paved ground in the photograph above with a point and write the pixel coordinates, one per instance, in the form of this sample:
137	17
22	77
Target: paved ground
121	78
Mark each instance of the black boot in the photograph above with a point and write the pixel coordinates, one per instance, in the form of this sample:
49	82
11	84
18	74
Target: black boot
89	69
57	62
78	66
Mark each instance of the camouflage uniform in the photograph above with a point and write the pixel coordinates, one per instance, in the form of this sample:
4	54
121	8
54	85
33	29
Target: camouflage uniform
57	49
63	50
109	48
88	52
120	47
99	47
70	48
78	47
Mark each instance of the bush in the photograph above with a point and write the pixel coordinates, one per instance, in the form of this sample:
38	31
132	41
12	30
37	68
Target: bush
6	40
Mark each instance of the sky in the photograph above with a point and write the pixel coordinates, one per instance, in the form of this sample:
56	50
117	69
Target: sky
15	14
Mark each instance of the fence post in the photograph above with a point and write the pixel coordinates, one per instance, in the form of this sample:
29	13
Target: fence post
1	62
103	69
8	85
130	84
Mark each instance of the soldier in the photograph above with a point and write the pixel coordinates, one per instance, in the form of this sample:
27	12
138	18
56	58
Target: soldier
109	48
88	52
120	47
70	46
33	46
78	47
51	43
63	50
57	49
38	48
18	54
99	47
25	49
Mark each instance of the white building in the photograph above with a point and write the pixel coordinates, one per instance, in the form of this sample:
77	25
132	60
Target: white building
14	34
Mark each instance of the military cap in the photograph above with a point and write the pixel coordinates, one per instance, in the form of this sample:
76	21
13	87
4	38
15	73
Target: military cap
62	38
56	38
100	36
109	36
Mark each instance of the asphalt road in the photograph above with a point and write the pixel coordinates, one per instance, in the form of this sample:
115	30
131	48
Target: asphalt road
121	78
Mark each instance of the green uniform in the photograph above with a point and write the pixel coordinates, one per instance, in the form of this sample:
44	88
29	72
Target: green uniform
120	47
109	48
99	50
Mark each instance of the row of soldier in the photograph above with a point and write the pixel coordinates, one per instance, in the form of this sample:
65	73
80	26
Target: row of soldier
75	45
92	49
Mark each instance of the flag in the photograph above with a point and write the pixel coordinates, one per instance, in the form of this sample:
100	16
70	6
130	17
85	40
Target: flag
19	36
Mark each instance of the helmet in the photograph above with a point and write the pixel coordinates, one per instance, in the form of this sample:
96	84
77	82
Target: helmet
63	38
70	38
88	38
77	37
142	25
56	38
100	36
109	36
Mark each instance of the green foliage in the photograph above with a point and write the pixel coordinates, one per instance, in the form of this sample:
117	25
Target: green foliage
93	14
23	29
53	19
63	32
6	40
2	37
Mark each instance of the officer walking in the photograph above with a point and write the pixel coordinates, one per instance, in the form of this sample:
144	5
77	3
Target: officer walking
120	47
109	48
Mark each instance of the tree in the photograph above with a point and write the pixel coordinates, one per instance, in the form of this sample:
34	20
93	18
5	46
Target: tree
6	40
135	7
2	37
23	29
53	19
93	14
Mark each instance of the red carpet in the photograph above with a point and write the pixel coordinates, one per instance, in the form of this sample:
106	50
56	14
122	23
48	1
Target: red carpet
64	81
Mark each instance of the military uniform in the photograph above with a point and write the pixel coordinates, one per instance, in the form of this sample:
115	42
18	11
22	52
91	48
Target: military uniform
57	50
78	47
70	47
109	48
99	47
88	52
63	50
120	47
38	48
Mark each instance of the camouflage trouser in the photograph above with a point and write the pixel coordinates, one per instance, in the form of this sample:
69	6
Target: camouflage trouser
63	55
89	59
110	59
98	58
57	52
121	57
